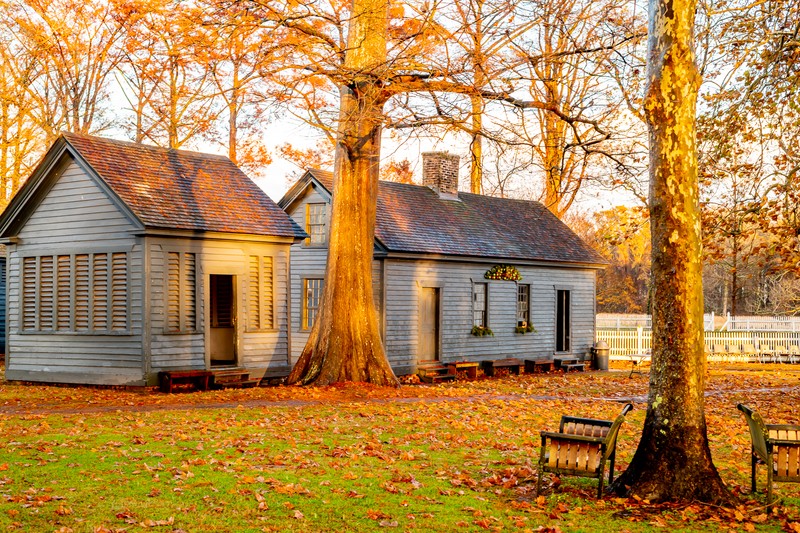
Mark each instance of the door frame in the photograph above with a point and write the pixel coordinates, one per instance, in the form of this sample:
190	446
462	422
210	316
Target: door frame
235	317
567	322
439	291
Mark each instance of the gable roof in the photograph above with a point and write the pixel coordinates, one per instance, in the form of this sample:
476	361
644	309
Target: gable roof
414	219
173	189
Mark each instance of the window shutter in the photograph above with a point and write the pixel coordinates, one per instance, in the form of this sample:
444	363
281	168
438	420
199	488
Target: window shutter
119	291
64	292
29	293
81	292
189	292
267	311
254	305
46	292
173	291
100	292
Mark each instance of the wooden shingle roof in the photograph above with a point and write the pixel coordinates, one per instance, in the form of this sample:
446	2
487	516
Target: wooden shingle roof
179	189
414	219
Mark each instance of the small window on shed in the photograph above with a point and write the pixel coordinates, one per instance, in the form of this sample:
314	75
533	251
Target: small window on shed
315	224
479	304
523	305
312	296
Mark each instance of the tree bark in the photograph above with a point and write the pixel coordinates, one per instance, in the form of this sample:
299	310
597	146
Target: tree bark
345	342
673	460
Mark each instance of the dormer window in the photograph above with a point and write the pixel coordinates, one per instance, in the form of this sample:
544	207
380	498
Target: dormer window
315	224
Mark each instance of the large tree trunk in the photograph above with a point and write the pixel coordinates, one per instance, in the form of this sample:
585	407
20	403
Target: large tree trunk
673	460
345	342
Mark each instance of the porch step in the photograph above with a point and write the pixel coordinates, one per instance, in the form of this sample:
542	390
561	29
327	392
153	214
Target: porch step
233	378
434	372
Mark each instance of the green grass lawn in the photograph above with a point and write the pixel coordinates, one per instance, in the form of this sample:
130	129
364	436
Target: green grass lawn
434	458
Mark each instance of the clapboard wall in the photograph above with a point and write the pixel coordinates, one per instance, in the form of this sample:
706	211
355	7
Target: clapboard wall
75	219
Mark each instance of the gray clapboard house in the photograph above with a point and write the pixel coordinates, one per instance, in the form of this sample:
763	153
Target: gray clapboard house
433	248
125	259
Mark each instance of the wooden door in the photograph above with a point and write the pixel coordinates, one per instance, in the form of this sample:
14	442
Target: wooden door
563	321
222	330
429	324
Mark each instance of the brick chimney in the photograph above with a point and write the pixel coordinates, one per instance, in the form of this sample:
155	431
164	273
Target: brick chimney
440	173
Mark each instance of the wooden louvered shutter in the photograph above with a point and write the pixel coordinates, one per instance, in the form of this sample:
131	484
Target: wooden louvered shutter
82	292
173	298
29	293
100	292
254	307
64	292
267	312
260	306
119	291
189	295
46	292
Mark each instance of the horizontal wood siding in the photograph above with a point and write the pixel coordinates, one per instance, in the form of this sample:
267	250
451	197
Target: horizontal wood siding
76	210
307	262
256	349
405	279
77	215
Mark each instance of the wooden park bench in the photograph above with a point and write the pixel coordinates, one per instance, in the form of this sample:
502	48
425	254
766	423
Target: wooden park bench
774	445
197	379
535	366
581	447
513	366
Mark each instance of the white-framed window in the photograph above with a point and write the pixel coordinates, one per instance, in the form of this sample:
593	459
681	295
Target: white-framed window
312	296
75	293
316	224
181	296
523	305
260	303
480	300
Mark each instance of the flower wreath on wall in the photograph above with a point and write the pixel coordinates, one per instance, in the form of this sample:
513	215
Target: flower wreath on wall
503	272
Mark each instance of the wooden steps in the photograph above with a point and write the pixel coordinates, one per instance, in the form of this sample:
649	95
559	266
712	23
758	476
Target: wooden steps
434	372
186	380
233	378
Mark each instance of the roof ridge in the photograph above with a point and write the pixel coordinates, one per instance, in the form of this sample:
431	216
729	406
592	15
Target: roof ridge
143	146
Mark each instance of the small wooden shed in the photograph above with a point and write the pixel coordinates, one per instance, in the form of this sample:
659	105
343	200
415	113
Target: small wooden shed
450	267
126	259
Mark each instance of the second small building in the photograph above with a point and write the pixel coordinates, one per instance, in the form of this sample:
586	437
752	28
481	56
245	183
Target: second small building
457	276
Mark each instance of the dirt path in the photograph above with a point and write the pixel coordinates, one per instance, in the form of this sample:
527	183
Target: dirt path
272	403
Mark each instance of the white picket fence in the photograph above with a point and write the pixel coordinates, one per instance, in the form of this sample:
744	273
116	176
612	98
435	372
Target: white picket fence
625	321
624	342
710	322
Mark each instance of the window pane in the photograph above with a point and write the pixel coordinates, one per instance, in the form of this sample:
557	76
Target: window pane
315	223
523	303
479	291
312	294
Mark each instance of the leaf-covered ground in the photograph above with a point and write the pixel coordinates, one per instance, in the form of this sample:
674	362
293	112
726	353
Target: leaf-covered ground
454	457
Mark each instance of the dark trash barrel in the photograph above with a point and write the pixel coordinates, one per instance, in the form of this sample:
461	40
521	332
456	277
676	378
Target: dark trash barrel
601	351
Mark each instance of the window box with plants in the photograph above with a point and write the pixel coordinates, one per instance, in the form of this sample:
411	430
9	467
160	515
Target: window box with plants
503	272
482	331
524	327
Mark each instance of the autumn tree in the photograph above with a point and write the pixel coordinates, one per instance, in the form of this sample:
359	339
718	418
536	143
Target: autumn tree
345	342
74	46
673	459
